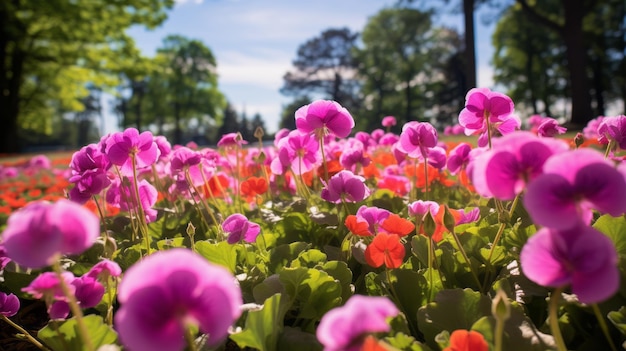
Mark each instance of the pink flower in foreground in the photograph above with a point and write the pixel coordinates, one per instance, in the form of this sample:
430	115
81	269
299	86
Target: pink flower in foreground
167	292
39	233
345	328
574	183
345	186
238	228
9	304
581	257
324	116
122	147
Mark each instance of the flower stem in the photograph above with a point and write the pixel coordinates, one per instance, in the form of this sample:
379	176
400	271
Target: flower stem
603	326
426	197
499	334
553	319
140	213
501	228
24	332
321	140
76	311
191	342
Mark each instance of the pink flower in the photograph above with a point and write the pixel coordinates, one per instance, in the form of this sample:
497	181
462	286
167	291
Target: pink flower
296	151
164	146
550	127
345	328
389	121
420	208
482	105
353	155
514	160
574	183
103	269
324	116
9	304
345	186
167	292
613	129
88	173
231	139
581	257
123	196
122	147
238	228
417	138
459	158
591	129
37	234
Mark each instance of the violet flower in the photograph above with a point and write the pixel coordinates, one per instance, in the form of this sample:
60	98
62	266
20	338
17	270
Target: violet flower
121	147
169	291
123	196
103	269
345	186
389	121
417	138
89	173
613	129
515	159
458	158
373	216
9	304
581	257
345	328
354	155
484	106
231	139
574	183
296	151
36	235
550	127
238	228
324	116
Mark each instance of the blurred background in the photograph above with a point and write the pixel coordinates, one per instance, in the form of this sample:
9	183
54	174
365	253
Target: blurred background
74	70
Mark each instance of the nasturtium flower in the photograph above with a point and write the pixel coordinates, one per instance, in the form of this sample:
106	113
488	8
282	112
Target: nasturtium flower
122	147
324	116
385	249
36	235
464	340
346	328
238	228
581	257
574	183
9	304
169	291
345	186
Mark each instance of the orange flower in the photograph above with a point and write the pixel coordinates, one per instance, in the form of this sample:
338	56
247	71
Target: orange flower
371	344
217	185
356	227
395	224
253	186
463	340
334	167
385	249
440	228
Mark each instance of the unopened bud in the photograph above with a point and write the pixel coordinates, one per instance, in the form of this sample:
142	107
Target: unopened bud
191	230
258	132
500	306
579	139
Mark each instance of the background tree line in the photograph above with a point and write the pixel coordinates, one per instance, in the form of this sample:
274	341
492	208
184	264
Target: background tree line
58	58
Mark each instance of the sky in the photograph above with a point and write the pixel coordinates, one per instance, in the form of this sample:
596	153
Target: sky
255	41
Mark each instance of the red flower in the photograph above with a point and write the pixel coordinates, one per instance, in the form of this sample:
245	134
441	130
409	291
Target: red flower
385	249
253	186
463	340
394	224
356	227
371	344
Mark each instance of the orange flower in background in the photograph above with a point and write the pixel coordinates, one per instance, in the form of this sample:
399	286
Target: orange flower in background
356	227
463	340
216	186
411	171
254	186
385	249
371	344
395	224
334	167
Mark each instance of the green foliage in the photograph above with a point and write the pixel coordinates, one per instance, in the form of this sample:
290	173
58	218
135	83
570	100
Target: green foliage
64	335
263	327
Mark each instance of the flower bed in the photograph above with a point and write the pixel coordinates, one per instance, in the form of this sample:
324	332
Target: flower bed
379	241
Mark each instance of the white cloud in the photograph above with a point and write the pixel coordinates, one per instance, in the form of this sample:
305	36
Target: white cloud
261	71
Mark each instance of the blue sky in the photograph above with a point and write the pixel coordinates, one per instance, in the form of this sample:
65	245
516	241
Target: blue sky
254	42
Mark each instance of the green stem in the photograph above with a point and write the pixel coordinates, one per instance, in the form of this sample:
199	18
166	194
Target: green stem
603	326
426	197
467	260
321	140
73	304
499	334
140	213
501	228
105	233
609	147
25	333
553	318
191	341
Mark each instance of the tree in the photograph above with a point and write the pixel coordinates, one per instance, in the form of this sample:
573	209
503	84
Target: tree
49	50
189	73
231	121
568	24
324	67
288	114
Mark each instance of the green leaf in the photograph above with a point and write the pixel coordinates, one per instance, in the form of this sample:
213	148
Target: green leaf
312	292
614	228
296	339
618	318
99	333
342	274
452	309
309	259
170	243
405	342
263	328
282	255
221	253
14	282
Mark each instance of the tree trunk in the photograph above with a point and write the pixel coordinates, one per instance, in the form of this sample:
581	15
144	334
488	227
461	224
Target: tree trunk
10	104
470	43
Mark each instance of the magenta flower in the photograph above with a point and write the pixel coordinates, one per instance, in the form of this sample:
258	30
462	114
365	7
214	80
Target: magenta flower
166	292
345	186
122	147
389	121
613	129
373	216
515	159
238	228
574	183
581	257
39	233
123	196
470	216
591	129
420	208
164	146
481	106
345	328
9	304
88	292
550	127
324	116
459	157
353	156
88	173
103	269
417	138
231	139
